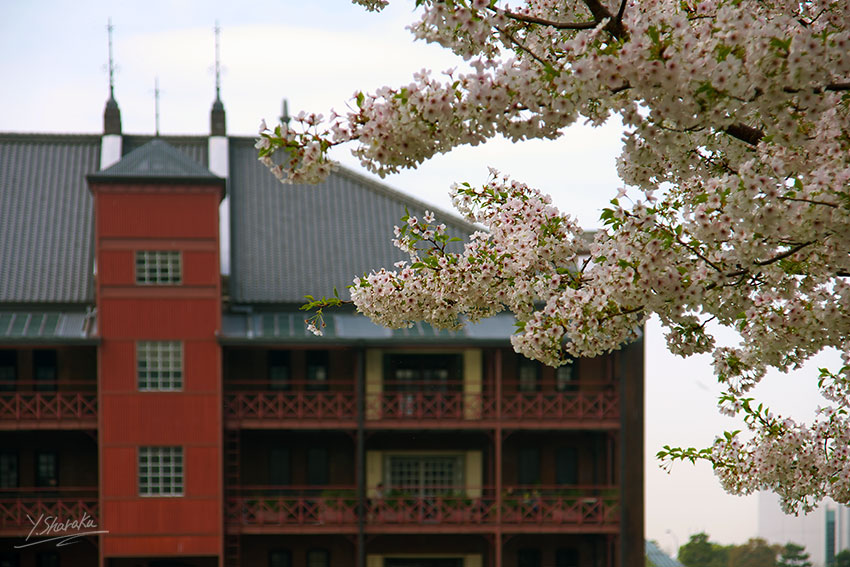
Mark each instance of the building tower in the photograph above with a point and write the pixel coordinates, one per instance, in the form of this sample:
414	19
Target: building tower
159	311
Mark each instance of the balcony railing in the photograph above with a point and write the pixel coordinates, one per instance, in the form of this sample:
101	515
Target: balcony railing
457	408
560	406
72	406
303	402
51	509
555	508
259	507
575	506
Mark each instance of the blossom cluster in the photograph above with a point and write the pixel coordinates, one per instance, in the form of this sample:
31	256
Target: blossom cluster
737	116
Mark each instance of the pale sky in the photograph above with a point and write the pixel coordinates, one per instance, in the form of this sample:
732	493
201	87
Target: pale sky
317	54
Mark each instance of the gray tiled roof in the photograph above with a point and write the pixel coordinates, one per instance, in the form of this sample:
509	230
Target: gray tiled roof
156	159
288	241
195	148
46	218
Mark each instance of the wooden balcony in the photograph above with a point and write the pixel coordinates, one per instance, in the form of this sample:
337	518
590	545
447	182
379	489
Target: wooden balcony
533	510
52	512
72	407
299	509
293	408
593	409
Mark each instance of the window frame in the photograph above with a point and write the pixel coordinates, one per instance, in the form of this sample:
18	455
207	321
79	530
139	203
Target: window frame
45	481
279	370
45	359
14	458
524	383
285	554
160	352
175	481
422	489
326	562
444	373
8	365
526	463
318	370
155	267
568	383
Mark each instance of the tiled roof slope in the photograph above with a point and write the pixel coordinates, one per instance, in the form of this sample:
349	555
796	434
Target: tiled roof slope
46	218
290	240
156	160
195	148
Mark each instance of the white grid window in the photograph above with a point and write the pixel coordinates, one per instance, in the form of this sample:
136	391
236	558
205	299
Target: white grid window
160	471
159	365
425	475
159	267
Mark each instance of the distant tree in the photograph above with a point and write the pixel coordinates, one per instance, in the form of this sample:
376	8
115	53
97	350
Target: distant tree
843	558
755	553
794	555
700	552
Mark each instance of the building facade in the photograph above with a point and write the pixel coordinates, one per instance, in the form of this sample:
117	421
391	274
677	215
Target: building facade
154	413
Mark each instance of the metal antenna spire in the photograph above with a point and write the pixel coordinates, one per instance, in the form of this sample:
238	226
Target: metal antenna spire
156	102
285	118
217	62
111	67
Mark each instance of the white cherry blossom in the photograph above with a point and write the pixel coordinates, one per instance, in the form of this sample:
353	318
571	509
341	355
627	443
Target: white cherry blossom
736	152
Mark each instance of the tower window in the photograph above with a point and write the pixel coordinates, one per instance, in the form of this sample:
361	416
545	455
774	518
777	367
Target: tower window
160	471
159	267
159	365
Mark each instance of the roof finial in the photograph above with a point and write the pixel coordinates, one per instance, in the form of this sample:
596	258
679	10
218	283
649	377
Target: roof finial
111	114
217	63
156	103
217	118
111	67
285	118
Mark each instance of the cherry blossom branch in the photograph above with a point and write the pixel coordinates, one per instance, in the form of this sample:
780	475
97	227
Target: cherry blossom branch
528	19
810	201
519	44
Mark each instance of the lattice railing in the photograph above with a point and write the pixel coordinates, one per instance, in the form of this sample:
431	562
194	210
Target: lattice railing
587	506
576	507
56	406
422	406
290	405
20	511
560	406
286	507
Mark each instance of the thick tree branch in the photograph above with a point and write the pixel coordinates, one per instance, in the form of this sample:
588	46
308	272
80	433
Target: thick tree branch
811	202
614	26
746	134
544	22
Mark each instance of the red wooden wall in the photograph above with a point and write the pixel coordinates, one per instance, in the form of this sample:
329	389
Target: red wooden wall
133	216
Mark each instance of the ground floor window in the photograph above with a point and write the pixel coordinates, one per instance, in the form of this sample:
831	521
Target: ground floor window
423	562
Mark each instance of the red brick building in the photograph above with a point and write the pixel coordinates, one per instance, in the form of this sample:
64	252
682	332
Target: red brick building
183	418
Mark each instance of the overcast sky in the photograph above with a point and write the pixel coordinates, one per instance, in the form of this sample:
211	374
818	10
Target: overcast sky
316	54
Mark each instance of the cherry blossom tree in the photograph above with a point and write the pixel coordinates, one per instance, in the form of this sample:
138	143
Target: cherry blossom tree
735	207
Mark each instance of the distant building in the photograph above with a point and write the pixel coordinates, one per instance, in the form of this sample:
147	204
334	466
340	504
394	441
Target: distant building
823	532
194	421
657	558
